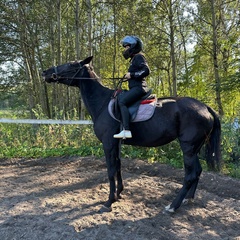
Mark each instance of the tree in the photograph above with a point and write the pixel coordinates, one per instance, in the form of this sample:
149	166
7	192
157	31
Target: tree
215	54
192	48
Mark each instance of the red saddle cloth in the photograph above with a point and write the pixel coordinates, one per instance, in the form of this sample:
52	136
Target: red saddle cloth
147	101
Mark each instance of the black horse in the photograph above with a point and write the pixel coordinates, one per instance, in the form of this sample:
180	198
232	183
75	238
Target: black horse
191	122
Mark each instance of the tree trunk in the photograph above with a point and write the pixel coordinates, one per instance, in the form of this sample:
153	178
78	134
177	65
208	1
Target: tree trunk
215	60
24	45
89	14
115	40
172	51
59	35
77	31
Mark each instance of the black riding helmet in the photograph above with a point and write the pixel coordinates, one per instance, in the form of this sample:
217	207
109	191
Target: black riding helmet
135	46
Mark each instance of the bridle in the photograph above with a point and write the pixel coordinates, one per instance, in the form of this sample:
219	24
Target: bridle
57	75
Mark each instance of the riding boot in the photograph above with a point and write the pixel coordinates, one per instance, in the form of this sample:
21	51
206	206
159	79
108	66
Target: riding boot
125	133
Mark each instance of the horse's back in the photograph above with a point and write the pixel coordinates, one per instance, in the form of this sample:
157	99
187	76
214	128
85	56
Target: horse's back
193	110
185	107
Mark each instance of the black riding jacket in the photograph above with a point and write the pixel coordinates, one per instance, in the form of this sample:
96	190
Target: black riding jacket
138	70
137	86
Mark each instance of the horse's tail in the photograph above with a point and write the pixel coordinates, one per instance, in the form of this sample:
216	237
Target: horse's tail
213	152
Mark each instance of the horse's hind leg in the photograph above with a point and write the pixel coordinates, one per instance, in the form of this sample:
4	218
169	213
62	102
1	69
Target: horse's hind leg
192	190
192	173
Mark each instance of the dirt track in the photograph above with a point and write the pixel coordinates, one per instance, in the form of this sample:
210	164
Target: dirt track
59	198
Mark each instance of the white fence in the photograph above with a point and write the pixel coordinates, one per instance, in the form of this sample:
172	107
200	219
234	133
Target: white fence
43	121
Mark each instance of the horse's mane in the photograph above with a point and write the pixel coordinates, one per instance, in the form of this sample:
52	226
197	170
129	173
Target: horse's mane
90	70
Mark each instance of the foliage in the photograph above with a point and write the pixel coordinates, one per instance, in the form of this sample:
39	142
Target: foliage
45	140
178	43
231	146
21	140
35	141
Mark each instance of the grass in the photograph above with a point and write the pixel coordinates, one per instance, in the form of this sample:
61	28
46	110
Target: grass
6	113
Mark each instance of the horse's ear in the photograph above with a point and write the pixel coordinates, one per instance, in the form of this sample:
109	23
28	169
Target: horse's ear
87	60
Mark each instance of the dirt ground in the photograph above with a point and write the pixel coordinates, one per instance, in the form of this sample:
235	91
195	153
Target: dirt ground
59	198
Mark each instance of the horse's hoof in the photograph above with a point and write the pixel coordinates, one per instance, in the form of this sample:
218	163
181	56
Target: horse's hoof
187	201
105	209
168	209
119	197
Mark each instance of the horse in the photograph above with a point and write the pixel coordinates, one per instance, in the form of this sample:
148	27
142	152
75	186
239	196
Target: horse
190	121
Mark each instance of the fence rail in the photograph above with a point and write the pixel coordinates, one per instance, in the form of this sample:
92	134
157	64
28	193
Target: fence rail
44	121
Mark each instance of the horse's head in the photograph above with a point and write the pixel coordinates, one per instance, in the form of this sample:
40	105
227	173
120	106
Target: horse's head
67	73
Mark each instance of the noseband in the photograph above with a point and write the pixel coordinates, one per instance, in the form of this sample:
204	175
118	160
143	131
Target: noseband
54	75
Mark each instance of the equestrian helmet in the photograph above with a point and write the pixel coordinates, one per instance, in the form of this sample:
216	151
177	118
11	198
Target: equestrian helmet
135	46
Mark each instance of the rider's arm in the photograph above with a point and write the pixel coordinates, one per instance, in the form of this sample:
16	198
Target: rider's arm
139	68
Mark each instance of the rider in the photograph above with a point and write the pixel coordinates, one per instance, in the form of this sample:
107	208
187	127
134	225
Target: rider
135	76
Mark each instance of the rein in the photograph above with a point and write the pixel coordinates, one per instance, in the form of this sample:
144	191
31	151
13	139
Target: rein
56	76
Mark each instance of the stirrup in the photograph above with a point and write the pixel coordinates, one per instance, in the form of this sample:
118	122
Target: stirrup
123	134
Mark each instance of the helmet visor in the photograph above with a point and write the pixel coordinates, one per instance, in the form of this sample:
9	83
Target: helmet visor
128	41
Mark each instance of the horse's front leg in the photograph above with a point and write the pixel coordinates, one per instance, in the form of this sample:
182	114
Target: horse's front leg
119	179
113	168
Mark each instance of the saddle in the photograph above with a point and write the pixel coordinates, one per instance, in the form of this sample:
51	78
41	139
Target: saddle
139	111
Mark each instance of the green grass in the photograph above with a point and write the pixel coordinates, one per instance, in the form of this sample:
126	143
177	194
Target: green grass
6	113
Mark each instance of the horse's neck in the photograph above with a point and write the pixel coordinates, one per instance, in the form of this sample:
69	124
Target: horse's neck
95	96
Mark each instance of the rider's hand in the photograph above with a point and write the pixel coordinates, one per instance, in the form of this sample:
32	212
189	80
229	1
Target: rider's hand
127	75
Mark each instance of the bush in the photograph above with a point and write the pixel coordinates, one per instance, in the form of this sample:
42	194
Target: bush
231	147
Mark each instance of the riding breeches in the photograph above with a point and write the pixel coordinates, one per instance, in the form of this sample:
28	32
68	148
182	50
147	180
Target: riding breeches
125	100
